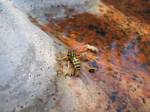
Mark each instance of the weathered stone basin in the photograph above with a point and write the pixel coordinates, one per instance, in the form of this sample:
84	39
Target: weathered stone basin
29	48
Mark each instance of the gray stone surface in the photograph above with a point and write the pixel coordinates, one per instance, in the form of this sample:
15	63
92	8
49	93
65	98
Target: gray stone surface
28	5
56	8
27	59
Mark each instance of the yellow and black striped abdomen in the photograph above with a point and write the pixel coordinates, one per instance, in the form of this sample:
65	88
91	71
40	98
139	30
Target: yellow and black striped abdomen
76	63
74	60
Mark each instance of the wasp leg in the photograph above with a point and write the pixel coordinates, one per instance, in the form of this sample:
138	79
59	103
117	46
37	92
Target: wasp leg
73	72
68	66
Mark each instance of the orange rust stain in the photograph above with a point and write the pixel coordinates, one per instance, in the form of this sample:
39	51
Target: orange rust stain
146	93
46	28
114	36
123	43
70	42
136	8
142	58
130	23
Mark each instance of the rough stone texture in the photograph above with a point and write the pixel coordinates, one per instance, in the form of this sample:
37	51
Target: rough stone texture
56	8
27	59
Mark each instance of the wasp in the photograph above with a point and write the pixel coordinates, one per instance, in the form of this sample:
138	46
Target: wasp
72	58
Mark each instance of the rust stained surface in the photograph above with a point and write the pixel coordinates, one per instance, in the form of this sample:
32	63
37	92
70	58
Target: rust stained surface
123	58
137	8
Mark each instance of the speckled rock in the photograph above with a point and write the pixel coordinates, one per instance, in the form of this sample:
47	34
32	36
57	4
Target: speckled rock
27	59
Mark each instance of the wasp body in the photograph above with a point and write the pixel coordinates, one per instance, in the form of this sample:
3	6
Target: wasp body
72	57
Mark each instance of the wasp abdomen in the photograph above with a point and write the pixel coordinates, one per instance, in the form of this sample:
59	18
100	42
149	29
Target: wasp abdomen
76	63
74	60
